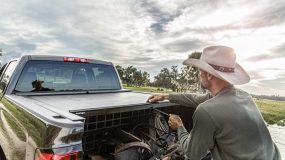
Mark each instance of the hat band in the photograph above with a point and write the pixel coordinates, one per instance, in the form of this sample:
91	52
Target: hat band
222	69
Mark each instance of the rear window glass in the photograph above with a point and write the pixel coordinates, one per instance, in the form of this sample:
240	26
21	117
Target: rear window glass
67	76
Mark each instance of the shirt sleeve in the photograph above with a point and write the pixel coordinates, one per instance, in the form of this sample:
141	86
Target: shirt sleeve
201	138
188	99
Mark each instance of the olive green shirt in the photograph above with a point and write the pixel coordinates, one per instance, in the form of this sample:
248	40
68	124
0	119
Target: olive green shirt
228	124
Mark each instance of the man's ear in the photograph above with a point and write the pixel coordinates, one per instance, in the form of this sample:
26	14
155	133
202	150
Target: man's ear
210	76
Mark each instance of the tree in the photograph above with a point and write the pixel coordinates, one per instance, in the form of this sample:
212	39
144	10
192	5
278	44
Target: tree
129	75
132	76
189	75
195	55
163	79
137	77
185	80
145	77
121	72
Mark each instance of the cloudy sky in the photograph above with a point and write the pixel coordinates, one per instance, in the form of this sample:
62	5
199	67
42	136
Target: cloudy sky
151	34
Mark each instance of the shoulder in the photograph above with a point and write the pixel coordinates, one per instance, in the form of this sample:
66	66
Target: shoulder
227	97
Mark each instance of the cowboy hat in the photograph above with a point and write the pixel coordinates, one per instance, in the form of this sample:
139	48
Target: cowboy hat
220	61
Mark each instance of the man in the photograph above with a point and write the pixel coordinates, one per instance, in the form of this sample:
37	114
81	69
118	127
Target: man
226	121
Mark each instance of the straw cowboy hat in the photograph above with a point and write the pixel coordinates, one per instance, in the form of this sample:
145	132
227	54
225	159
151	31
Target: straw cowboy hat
220	61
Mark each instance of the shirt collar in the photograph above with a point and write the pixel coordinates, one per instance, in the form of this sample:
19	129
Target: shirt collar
225	89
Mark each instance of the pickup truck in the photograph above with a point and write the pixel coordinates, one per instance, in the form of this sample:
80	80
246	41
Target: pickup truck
69	108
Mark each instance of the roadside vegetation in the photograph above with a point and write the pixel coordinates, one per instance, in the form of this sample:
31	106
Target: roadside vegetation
272	111
148	89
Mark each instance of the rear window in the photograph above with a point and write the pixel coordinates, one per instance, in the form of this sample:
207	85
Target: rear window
67	76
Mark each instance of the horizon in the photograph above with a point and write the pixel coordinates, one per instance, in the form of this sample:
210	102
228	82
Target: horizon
151	34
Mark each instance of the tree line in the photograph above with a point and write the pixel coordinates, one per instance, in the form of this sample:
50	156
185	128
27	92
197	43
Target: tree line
178	80
272	97
132	76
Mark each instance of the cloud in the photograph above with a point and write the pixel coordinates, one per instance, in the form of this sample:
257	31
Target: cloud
261	74
266	81
228	17
69	29
255	75
261	57
156	65
10	54
280	49
205	30
150	34
258	89
276	83
269	14
15	49
163	12
274	86
275	52
184	45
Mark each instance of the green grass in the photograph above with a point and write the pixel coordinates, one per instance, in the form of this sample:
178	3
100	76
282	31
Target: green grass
148	89
272	111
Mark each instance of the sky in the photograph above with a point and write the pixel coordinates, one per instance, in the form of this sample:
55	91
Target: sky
151	34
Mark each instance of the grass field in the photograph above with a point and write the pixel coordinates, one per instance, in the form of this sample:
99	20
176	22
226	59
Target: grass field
272	111
148	89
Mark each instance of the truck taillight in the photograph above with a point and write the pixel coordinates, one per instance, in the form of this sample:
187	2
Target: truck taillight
51	156
75	59
63	153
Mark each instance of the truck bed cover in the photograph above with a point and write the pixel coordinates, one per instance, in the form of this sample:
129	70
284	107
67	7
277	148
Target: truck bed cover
85	102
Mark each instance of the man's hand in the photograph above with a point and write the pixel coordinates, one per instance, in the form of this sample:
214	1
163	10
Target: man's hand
157	97
166	158
174	121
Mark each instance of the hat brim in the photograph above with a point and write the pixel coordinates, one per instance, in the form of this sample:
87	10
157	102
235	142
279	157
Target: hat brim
238	77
